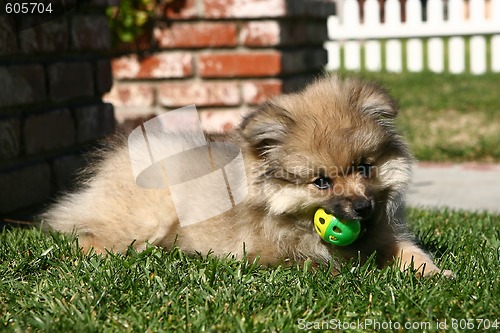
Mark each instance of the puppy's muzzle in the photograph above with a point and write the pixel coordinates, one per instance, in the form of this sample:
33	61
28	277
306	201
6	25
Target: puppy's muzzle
362	207
357	208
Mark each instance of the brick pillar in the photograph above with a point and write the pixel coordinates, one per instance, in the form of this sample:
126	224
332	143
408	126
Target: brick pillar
225	56
52	78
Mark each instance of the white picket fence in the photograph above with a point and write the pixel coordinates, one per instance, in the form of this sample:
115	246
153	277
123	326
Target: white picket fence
446	32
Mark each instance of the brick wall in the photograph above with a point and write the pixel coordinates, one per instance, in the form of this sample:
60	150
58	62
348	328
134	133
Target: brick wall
225	56
52	78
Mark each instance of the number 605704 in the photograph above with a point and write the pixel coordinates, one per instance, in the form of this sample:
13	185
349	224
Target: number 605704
28	8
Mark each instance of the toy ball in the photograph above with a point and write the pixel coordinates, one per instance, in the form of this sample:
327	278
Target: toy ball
334	231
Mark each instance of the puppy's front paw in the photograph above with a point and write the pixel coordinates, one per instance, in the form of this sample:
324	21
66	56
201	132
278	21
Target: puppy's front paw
449	274
443	272
410	255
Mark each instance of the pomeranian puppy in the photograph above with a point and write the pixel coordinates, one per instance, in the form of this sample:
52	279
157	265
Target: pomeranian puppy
332	146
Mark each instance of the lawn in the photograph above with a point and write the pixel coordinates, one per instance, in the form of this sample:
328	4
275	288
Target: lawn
48	285
447	117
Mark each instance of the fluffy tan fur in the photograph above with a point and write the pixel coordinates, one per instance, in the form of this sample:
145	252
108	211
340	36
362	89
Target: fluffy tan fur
335	128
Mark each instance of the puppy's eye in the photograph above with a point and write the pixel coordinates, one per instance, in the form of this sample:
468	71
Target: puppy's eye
365	169
323	183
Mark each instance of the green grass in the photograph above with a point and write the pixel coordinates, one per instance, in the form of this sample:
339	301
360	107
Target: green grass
48	285
447	117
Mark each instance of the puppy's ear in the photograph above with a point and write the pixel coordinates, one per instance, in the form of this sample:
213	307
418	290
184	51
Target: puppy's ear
377	103
265	129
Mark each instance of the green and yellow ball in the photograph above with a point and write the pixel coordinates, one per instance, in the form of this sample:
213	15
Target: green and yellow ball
335	231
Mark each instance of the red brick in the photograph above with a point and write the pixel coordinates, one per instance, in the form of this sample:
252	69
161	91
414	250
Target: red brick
235	64
10	138
316	32
297	82
126	67
166	65
49	131
318	8
93	121
104	76
284	33
24	187
65	170
296	32
244	8
90	32
177	94
23	84
70	80
48	37
129	118
267	8
130	95
8	43
181	9
140	43
256	92
196	35
220	121
304	60
159	65
107	123
261	33
87	123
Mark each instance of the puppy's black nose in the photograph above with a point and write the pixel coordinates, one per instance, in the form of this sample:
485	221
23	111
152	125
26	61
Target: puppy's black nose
362	207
